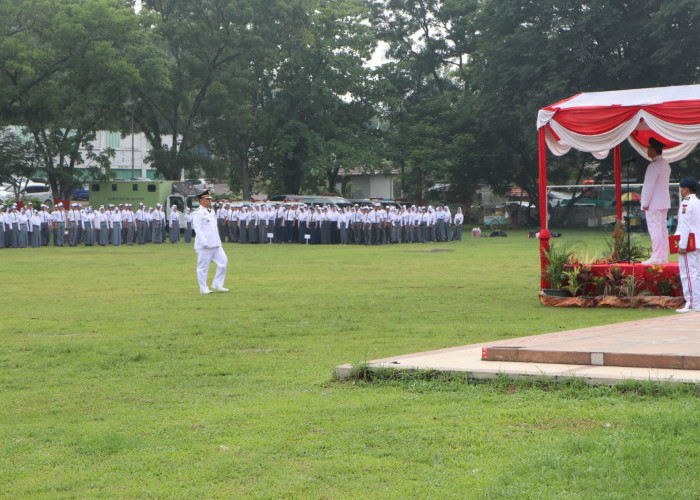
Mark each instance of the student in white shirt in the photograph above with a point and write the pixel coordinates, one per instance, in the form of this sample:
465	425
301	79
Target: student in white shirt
174	223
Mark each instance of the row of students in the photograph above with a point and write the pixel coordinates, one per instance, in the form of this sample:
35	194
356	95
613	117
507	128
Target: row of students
239	223
370	225
111	225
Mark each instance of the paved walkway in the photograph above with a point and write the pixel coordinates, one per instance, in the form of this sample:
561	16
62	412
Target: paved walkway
661	349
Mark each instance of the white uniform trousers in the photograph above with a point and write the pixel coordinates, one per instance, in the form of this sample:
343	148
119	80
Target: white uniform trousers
656	225
689	269
204	258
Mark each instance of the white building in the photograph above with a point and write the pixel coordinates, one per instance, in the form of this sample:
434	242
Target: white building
130	153
369	184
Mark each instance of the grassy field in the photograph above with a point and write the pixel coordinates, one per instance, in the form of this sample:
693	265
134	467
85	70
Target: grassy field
119	380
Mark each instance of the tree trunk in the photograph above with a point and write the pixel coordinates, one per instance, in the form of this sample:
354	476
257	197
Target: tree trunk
245	177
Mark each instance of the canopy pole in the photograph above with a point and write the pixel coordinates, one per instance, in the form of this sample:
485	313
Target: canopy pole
544	206
618	182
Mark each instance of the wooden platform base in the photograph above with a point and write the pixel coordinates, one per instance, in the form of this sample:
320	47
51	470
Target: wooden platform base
671	343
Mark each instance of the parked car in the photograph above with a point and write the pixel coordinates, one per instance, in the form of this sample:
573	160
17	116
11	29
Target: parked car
80	193
33	190
338	201
202	184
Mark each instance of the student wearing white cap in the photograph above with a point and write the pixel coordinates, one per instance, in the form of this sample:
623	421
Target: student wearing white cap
58	224
157	233
110	227
270	222
29	213
116	226
148	220
262	224
253	225
129	222
315	225
343	222
279	223
102	225
140	220
89	227
45	225
233	223
289	222
243	217
11	227
35	224
22	229
207	244
303	222
72	225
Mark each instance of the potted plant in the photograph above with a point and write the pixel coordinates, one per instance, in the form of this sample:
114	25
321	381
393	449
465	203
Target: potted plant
555	271
573	281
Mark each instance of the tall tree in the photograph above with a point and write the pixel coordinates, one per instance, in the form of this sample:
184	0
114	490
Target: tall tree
18	161
318	110
231	112
423	85
530	54
82	79
202	39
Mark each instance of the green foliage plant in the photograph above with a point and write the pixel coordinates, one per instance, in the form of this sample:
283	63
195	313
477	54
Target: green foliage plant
631	287
558	256
618	249
573	282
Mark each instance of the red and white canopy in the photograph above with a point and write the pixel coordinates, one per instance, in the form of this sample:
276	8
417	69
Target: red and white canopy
596	122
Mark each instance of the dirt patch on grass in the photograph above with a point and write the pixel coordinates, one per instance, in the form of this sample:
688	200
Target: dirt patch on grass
433	250
563	424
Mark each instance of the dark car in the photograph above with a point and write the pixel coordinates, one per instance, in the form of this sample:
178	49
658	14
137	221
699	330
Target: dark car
80	194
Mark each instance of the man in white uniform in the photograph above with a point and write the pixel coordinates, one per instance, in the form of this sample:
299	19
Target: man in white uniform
207	244
689	261
656	201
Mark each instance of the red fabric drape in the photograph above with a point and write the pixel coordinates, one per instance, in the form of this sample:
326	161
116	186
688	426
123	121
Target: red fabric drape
593	121
642	137
597	120
681	112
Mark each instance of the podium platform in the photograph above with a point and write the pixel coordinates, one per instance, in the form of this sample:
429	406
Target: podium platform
660	349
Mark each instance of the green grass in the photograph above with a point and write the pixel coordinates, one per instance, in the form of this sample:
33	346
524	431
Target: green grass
119	380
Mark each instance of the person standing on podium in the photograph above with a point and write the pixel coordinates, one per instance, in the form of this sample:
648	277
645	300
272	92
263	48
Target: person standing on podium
656	201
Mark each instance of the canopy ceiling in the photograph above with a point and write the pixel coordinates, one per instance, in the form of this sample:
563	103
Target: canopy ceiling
596	122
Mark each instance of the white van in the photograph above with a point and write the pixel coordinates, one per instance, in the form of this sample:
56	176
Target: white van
33	190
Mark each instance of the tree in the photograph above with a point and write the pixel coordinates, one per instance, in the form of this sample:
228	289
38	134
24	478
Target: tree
424	86
18	161
316	118
531	54
85	79
231	113
28	57
202	39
